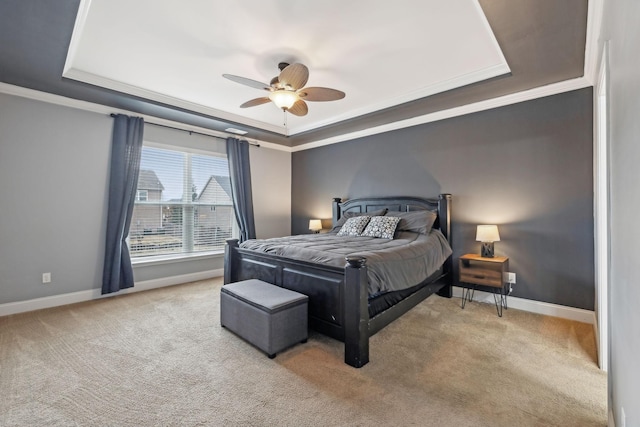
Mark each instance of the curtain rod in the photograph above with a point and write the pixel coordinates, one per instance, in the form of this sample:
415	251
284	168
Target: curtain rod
191	131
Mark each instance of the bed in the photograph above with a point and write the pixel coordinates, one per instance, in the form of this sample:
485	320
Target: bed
342	302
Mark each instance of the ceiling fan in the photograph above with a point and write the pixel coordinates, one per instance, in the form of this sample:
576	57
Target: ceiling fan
287	90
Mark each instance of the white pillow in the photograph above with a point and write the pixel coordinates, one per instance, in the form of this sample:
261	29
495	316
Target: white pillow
381	226
354	226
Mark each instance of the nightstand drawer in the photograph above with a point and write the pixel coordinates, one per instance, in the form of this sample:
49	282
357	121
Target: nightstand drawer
481	276
477	270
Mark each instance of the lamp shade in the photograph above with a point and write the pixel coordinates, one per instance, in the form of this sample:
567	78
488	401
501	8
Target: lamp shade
487	233
315	225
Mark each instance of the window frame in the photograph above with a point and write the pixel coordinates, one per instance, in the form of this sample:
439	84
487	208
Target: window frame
186	256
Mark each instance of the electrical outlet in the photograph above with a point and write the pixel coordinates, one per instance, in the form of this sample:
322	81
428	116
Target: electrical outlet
510	277
46	277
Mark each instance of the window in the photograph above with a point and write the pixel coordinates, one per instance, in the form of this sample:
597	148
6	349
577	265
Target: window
183	203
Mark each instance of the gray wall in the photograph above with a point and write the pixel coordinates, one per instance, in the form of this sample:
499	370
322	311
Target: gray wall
53	185
53	182
621	28
271	184
527	167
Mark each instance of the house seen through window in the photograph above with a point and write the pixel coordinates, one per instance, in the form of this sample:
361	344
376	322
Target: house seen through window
183	204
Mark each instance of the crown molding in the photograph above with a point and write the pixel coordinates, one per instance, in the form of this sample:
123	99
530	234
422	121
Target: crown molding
539	92
548	90
63	101
138	91
443	86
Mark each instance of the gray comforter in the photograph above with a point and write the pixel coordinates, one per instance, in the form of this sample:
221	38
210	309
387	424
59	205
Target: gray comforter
395	264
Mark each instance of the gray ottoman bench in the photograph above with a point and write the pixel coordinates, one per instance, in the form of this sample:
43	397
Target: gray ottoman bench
268	316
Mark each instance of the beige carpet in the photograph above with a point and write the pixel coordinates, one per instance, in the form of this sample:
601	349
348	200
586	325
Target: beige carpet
160	358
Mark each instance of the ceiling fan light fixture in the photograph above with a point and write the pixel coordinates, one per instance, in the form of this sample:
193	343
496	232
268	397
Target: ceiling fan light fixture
287	91
284	99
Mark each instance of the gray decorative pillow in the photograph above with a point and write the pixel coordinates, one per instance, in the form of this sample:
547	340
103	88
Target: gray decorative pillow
346	215
416	221
354	226
381	226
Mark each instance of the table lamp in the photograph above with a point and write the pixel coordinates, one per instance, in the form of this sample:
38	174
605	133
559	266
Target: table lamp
487	234
315	225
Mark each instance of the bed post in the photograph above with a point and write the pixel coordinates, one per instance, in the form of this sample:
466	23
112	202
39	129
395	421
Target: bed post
336	210
229	253
444	213
356	314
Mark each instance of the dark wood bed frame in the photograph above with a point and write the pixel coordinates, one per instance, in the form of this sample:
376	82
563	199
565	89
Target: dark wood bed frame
338	297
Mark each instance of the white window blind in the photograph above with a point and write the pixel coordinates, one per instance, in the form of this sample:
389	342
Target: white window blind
184	204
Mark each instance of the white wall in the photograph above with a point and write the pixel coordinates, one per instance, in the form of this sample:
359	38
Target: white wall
54	166
621	28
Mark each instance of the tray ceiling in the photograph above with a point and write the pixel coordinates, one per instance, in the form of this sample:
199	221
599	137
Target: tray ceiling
549	47
381	54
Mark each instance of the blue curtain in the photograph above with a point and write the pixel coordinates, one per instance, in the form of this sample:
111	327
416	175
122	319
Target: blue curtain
240	173
126	149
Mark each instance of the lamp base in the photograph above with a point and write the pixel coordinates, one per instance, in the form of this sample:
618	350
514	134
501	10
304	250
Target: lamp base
486	250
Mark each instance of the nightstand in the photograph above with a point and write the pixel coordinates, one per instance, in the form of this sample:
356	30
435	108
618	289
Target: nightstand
476	271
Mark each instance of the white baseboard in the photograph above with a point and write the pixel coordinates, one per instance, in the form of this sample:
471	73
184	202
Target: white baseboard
92	294
548	309
571	313
612	421
603	360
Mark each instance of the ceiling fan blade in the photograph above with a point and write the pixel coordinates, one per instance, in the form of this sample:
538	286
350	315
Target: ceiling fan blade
245	81
320	94
294	75
299	108
254	102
